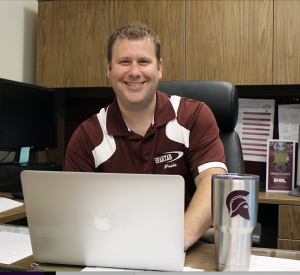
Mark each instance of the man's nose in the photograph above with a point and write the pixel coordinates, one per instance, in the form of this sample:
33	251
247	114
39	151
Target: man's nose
134	70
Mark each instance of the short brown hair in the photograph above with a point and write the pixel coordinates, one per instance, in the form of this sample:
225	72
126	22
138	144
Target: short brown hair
133	31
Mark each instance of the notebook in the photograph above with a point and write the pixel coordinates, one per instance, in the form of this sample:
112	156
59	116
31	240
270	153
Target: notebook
131	221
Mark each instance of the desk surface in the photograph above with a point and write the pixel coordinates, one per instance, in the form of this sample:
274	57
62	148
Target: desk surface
201	256
277	198
12	214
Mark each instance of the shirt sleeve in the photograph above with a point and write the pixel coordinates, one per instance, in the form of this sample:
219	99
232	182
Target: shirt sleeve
206	148
79	155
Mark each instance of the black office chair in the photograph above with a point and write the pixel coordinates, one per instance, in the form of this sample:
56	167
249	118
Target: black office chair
222	98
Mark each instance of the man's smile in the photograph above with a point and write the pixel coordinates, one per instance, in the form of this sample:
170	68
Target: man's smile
134	83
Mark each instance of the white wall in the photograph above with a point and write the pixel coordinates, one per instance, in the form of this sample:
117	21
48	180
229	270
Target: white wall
18	38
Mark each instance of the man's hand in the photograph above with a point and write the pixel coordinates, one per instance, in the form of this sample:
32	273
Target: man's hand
198	218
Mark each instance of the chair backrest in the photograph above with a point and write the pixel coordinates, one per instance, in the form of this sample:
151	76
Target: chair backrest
222	98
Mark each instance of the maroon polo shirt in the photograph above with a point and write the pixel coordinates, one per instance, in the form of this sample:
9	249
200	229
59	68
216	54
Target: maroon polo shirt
182	140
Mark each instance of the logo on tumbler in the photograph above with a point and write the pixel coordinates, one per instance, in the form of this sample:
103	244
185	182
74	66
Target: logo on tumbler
237	204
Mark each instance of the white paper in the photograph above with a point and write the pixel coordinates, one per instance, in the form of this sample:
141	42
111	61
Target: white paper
98	269
191	269
263	263
257	263
288	121
7	204
101	269
14	247
255	126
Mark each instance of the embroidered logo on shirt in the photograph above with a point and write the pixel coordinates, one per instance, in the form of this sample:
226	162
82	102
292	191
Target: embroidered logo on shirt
168	157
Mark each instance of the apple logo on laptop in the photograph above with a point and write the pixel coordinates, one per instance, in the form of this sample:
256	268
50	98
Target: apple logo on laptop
103	223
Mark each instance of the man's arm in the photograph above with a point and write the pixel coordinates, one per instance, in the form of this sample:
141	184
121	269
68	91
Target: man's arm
198	218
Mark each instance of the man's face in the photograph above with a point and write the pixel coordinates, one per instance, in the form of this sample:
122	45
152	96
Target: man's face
134	72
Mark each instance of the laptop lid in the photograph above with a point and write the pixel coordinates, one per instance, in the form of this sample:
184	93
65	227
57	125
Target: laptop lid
133	221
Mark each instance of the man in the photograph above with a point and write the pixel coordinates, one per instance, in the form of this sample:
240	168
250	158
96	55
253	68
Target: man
146	131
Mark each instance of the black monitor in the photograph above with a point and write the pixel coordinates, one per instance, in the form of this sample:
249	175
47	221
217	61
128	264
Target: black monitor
27	117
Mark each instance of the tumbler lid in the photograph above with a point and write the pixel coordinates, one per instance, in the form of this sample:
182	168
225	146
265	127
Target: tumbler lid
236	176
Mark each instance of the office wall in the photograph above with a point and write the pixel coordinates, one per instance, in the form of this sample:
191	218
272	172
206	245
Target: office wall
18	36
18	32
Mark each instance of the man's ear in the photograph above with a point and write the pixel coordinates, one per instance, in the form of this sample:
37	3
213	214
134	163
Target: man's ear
160	69
107	68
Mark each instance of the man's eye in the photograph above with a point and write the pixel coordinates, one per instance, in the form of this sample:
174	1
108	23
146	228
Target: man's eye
144	62
125	62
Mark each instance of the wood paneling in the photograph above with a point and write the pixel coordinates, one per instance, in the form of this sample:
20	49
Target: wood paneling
166	18
288	244
286	42
71	43
289	222
230	41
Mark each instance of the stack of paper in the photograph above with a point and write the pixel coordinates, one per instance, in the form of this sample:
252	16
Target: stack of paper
7	204
14	247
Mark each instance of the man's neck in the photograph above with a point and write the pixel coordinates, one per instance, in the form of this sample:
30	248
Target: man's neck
138	120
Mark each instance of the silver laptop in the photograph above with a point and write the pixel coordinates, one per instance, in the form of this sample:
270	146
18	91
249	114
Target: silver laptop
128	221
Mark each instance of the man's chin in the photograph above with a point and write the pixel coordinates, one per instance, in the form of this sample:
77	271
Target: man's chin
138	102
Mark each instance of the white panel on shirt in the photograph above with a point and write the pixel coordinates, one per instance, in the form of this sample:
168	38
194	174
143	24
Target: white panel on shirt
174	130
108	146
214	164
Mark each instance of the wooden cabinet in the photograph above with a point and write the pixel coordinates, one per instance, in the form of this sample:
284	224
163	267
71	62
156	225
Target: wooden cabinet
286	42
230	41
245	42
70	44
289	227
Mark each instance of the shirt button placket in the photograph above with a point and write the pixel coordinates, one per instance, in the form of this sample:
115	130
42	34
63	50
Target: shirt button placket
146	157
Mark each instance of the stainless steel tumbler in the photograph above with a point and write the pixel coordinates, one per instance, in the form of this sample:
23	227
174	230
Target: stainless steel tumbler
234	215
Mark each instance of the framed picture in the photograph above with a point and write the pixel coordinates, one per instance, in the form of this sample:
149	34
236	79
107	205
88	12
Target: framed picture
280	166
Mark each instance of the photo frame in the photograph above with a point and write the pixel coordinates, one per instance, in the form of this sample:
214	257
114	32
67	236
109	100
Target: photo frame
280	175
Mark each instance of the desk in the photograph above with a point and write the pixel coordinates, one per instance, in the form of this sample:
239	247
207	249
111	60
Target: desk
201	256
288	218
12	214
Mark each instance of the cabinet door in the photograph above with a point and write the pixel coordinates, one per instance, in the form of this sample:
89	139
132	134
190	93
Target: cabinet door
289	222
165	18
71	43
286	42
230	41
288	244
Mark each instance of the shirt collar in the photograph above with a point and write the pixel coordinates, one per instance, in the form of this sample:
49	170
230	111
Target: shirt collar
164	113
